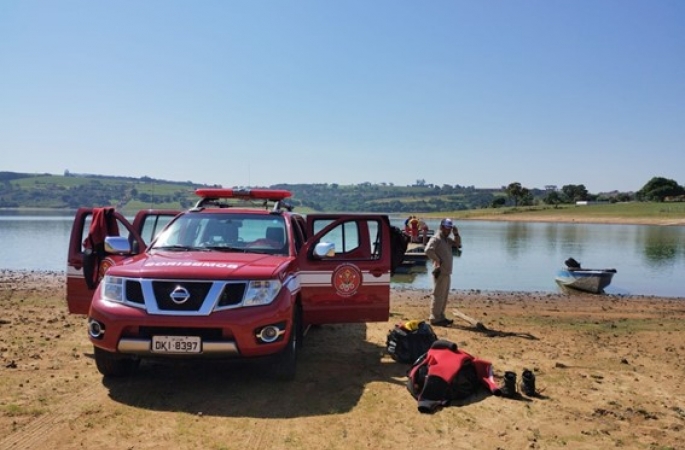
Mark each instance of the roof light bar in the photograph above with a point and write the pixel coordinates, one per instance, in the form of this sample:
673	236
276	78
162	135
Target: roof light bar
273	195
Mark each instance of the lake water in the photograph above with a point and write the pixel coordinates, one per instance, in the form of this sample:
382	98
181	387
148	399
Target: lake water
497	256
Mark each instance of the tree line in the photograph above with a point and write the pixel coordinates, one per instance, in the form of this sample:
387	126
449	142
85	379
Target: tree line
73	191
658	189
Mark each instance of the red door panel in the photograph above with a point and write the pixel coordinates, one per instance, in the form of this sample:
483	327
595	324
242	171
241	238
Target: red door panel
84	267
353	285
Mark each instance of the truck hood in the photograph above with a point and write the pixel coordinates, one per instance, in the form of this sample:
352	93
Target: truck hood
201	265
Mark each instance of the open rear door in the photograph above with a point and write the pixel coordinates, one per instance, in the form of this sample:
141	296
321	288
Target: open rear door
353	283
87	260
149	222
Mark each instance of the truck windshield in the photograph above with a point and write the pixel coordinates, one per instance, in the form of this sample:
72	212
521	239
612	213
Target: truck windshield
249	233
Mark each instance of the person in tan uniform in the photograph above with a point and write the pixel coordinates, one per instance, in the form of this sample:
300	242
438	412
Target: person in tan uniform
439	251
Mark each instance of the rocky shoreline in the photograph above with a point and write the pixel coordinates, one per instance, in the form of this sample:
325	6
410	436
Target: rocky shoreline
31	279
37	280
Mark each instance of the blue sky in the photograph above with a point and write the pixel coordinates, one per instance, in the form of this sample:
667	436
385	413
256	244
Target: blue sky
237	93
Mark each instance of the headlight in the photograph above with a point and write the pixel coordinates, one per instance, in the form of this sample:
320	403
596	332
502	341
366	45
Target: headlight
261	292
113	289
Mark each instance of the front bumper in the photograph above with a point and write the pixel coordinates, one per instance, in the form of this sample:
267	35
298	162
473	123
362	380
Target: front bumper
231	333
143	346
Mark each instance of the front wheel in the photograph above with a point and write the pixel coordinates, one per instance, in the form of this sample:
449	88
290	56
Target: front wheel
114	365
285	364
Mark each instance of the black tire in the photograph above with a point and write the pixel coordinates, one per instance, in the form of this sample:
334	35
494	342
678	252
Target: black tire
285	364
114	365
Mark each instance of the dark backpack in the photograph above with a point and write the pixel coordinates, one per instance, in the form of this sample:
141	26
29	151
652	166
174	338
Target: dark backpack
406	346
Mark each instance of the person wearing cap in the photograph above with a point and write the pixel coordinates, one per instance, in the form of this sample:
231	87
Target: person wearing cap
439	251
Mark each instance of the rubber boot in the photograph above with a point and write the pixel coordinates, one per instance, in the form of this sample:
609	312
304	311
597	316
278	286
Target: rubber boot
508	388
528	383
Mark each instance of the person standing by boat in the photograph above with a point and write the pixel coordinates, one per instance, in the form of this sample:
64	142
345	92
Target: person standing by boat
439	251
423	229
406	223
414	229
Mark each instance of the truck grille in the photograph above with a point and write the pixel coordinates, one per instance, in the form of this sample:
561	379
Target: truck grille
197	292
134	292
232	294
183	297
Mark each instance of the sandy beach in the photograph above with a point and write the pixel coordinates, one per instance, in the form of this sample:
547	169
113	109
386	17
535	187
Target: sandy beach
610	373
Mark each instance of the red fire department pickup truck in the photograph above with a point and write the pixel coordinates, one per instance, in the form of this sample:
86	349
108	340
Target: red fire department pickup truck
238	275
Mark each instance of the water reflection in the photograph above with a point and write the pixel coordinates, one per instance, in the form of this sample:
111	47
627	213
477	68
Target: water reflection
523	256
661	247
517	238
499	256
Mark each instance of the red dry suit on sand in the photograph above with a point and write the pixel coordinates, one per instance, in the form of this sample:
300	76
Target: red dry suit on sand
446	373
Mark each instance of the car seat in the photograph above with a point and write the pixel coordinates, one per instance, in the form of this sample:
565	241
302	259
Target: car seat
276	234
218	231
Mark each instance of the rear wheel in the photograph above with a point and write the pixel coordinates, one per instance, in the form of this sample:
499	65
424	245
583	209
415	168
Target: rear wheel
285	364
114	365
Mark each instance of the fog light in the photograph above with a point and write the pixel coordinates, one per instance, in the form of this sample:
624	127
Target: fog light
95	329
270	333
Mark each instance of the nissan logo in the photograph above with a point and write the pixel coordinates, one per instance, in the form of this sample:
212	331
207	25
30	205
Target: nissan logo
179	295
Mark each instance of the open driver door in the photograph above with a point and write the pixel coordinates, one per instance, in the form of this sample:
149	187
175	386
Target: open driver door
87	260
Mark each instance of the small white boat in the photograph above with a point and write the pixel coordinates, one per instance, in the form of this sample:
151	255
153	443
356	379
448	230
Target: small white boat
588	280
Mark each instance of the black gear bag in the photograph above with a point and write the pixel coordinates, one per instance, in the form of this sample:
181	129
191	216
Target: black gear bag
407	342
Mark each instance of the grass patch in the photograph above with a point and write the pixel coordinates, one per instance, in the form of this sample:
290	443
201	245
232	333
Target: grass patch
603	211
14	410
617	326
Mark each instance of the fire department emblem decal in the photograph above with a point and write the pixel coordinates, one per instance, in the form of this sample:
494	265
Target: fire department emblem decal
347	279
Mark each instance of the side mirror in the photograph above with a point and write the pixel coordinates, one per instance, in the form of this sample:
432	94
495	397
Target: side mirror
117	245
324	249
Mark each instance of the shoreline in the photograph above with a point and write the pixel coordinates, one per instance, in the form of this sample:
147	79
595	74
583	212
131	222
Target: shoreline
507	217
586	220
49	279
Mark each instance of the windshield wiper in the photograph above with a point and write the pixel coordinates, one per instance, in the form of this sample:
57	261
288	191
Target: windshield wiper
225	248
177	248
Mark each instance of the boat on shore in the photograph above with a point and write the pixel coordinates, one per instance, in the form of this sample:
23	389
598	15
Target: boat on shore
415	256
573	276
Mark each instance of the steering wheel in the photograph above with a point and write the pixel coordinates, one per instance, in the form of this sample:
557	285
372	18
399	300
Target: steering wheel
264	243
223	244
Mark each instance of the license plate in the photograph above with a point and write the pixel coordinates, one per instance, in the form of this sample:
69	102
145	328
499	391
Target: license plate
176	344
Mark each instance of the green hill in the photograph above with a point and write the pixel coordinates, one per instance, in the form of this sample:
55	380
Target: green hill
70	191
73	191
